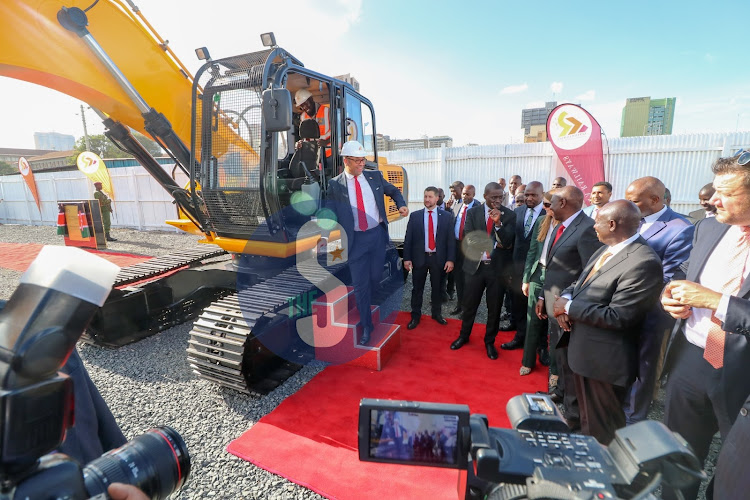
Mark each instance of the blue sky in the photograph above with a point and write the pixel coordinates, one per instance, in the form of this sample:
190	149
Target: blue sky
465	69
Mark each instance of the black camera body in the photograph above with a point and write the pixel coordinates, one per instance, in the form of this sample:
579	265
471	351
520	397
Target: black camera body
538	458
39	327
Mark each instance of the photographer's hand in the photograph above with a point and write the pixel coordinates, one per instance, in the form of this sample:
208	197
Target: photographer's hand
120	491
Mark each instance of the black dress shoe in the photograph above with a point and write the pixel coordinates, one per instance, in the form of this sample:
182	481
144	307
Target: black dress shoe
491	351
440	320
459	343
556	397
544	357
508	328
412	324
456	311
513	344
365	336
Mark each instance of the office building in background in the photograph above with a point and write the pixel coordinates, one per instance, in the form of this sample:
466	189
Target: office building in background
646	116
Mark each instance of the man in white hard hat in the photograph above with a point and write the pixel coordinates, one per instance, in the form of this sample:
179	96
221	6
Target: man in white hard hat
356	197
318	112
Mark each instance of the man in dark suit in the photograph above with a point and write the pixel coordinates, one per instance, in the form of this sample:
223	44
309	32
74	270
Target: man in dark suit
526	216
467	202
487	249
708	210
708	352
572	245
670	235
731	479
453	204
356	198
604	312
428	247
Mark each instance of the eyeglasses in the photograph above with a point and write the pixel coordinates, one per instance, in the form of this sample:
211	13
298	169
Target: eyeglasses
546	204
744	157
356	160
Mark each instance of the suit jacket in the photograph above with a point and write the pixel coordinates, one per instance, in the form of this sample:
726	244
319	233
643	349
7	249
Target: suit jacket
475	240
534	253
338	198
444	240
607	313
457	207
697	215
671	237
734	382
731	479
521	245
589	210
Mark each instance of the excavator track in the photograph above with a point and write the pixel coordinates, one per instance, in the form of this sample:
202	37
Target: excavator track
158	266
229	342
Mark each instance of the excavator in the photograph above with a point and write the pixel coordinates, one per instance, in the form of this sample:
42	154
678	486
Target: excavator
253	193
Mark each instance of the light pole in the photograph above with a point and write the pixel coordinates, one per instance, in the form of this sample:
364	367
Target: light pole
85	130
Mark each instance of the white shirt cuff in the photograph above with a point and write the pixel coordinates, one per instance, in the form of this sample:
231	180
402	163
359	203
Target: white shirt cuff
721	310
567	304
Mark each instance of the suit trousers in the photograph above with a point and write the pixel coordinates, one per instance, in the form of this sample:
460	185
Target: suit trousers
419	276
695	406
601	407
366	261
649	348
486	278
519	306
536	329
566	383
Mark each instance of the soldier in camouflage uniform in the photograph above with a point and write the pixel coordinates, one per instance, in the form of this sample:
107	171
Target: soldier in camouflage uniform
106	206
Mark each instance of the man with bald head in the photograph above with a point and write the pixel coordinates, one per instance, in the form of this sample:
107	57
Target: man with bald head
604	312
515	182
670	235
572	245
559	182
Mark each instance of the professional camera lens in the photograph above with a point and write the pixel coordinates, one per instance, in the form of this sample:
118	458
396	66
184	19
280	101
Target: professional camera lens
157	462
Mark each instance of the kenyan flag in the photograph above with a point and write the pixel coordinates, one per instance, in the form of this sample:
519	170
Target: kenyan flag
62	227
83	223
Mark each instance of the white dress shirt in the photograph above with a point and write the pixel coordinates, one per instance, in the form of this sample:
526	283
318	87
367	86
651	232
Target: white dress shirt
427	228
464	207
649	220
713	276
371	208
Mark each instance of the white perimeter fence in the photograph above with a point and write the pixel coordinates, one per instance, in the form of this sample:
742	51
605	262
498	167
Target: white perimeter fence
682	162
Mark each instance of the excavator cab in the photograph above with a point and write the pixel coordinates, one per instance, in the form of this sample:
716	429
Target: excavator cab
255	189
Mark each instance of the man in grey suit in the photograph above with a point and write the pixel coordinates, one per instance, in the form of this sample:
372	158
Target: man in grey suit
572	245
356	198
708	352
604	312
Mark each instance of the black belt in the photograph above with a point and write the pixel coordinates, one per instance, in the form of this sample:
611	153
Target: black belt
486	261
430	254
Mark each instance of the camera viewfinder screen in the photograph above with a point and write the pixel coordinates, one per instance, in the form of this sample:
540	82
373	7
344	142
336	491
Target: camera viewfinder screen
428	438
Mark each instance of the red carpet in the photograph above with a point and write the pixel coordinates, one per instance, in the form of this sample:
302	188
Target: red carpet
311	437
18	256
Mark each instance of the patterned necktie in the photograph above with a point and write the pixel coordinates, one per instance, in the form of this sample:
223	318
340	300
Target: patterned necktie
361	212
735	267
463	223
527	225
557	235
430	233
599	263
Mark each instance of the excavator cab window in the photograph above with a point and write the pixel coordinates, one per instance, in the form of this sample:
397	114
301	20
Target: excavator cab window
360	124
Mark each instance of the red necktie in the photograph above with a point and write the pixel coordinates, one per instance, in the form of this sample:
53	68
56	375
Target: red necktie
463	223
558	234
490	224
430	233
714	351
361	213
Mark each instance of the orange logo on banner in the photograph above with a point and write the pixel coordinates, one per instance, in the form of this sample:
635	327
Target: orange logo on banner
28	176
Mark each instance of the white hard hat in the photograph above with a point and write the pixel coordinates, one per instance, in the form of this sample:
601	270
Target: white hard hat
301	96
353	148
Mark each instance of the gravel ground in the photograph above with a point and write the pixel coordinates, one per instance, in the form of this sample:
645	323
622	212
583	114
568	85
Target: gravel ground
149	383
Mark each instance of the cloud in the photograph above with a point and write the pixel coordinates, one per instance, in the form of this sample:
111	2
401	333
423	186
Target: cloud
589	95
556	87
515	89
709	58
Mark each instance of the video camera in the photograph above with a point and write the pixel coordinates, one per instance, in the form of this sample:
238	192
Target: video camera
39	327
537	459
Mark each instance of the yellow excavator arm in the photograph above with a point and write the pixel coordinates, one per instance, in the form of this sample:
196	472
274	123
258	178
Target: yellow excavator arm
38	49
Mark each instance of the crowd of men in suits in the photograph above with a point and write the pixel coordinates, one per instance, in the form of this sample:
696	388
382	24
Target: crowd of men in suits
600	291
